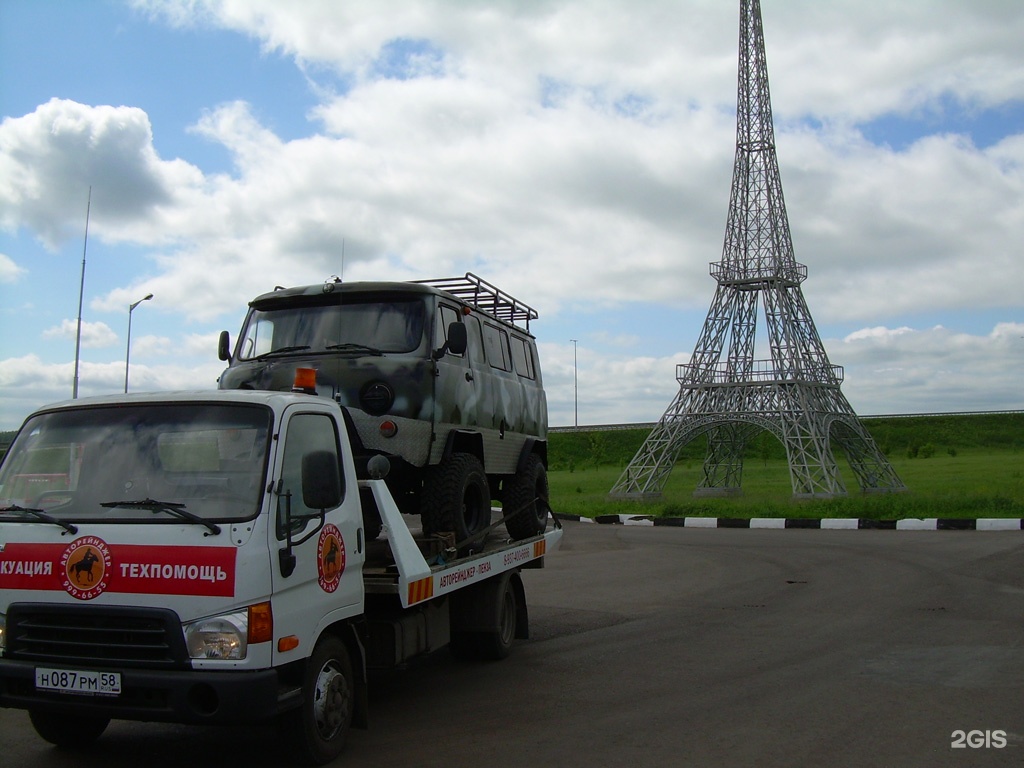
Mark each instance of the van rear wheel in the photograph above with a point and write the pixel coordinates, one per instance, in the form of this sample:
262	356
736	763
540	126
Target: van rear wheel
527	493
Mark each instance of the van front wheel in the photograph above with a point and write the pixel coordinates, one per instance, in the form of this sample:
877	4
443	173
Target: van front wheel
457	498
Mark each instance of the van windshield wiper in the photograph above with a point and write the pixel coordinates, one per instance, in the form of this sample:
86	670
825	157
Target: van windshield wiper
41	515
353	347
170	507
282	351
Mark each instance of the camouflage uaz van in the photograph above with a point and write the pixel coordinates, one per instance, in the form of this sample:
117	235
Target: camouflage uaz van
442	376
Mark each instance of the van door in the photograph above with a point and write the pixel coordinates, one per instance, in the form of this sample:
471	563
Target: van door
456	393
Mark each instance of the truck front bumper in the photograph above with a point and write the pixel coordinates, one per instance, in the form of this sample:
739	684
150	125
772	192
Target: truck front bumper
179	696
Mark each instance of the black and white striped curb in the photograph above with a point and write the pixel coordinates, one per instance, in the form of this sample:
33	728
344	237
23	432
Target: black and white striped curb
853	524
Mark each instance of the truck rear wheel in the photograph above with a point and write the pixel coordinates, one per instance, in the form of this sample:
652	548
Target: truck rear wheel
487	618
68	731
318	728
497	643
527	491
457	498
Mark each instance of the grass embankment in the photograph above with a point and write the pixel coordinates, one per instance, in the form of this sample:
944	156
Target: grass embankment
953	467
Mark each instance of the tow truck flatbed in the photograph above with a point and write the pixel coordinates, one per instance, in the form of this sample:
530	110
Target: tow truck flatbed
415	580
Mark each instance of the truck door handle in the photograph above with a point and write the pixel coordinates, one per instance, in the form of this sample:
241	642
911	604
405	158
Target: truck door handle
469	375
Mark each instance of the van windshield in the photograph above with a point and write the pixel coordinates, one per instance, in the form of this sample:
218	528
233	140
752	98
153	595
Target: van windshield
131	463
370	326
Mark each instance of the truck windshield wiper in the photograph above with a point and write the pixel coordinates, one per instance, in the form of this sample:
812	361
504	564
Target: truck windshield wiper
353	347
41	515
170	507
282	351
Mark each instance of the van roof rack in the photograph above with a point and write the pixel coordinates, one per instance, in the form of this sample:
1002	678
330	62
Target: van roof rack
486	297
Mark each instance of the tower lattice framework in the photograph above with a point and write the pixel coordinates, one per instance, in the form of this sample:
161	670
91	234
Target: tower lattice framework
724	392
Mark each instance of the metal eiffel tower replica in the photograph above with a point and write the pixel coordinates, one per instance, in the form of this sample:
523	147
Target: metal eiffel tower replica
724	392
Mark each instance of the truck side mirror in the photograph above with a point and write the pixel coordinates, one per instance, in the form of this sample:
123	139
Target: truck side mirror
321	489
321	480
458	338
224	346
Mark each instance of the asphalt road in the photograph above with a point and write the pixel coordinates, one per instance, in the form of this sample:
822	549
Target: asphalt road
677	647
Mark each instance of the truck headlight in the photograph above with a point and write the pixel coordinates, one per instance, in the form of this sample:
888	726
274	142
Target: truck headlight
218	637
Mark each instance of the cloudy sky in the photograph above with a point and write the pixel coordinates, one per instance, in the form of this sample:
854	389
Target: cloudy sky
577	153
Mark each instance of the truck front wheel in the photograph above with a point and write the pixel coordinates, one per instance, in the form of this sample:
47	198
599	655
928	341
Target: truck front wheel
68	731
319	726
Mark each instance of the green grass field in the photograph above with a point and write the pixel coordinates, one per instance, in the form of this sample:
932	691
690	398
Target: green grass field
973	483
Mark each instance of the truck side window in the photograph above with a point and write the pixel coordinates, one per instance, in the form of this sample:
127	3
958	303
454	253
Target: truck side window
306	432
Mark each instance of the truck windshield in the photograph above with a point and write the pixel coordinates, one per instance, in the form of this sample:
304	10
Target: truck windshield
132	463
370	326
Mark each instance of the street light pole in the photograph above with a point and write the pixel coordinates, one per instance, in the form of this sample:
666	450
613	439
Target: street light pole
575	387
128	347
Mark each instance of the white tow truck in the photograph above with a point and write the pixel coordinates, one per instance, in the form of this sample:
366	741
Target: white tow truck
214	558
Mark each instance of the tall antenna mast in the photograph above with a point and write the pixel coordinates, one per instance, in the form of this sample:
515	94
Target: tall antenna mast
81	293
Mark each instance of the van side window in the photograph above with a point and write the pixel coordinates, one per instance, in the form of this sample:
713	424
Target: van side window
496	342
522	358
306	432
476	345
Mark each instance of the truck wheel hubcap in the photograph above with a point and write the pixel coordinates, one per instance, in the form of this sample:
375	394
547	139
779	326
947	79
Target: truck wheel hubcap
330	707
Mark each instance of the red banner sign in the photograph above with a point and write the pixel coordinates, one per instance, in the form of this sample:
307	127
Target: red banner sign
88	567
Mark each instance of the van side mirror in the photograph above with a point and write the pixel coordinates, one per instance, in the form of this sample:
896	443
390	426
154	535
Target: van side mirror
224	346
458	339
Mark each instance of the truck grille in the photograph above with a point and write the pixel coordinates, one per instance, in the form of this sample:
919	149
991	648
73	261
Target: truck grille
96	636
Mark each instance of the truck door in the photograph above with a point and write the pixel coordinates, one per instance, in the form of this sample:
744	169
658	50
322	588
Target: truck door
328	557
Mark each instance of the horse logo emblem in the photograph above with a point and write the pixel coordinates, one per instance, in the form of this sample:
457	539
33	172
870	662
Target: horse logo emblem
86	566
330	558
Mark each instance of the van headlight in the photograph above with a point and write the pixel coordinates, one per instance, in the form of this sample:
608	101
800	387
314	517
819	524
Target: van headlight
218	637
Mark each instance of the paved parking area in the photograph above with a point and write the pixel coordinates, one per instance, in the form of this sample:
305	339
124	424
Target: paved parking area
682	646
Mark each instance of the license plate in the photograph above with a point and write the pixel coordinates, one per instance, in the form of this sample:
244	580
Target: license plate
80	681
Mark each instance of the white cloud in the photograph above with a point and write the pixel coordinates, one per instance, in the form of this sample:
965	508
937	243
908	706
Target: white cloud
471	167
51	157
95	335
930	370
9	271
887	371
579	155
